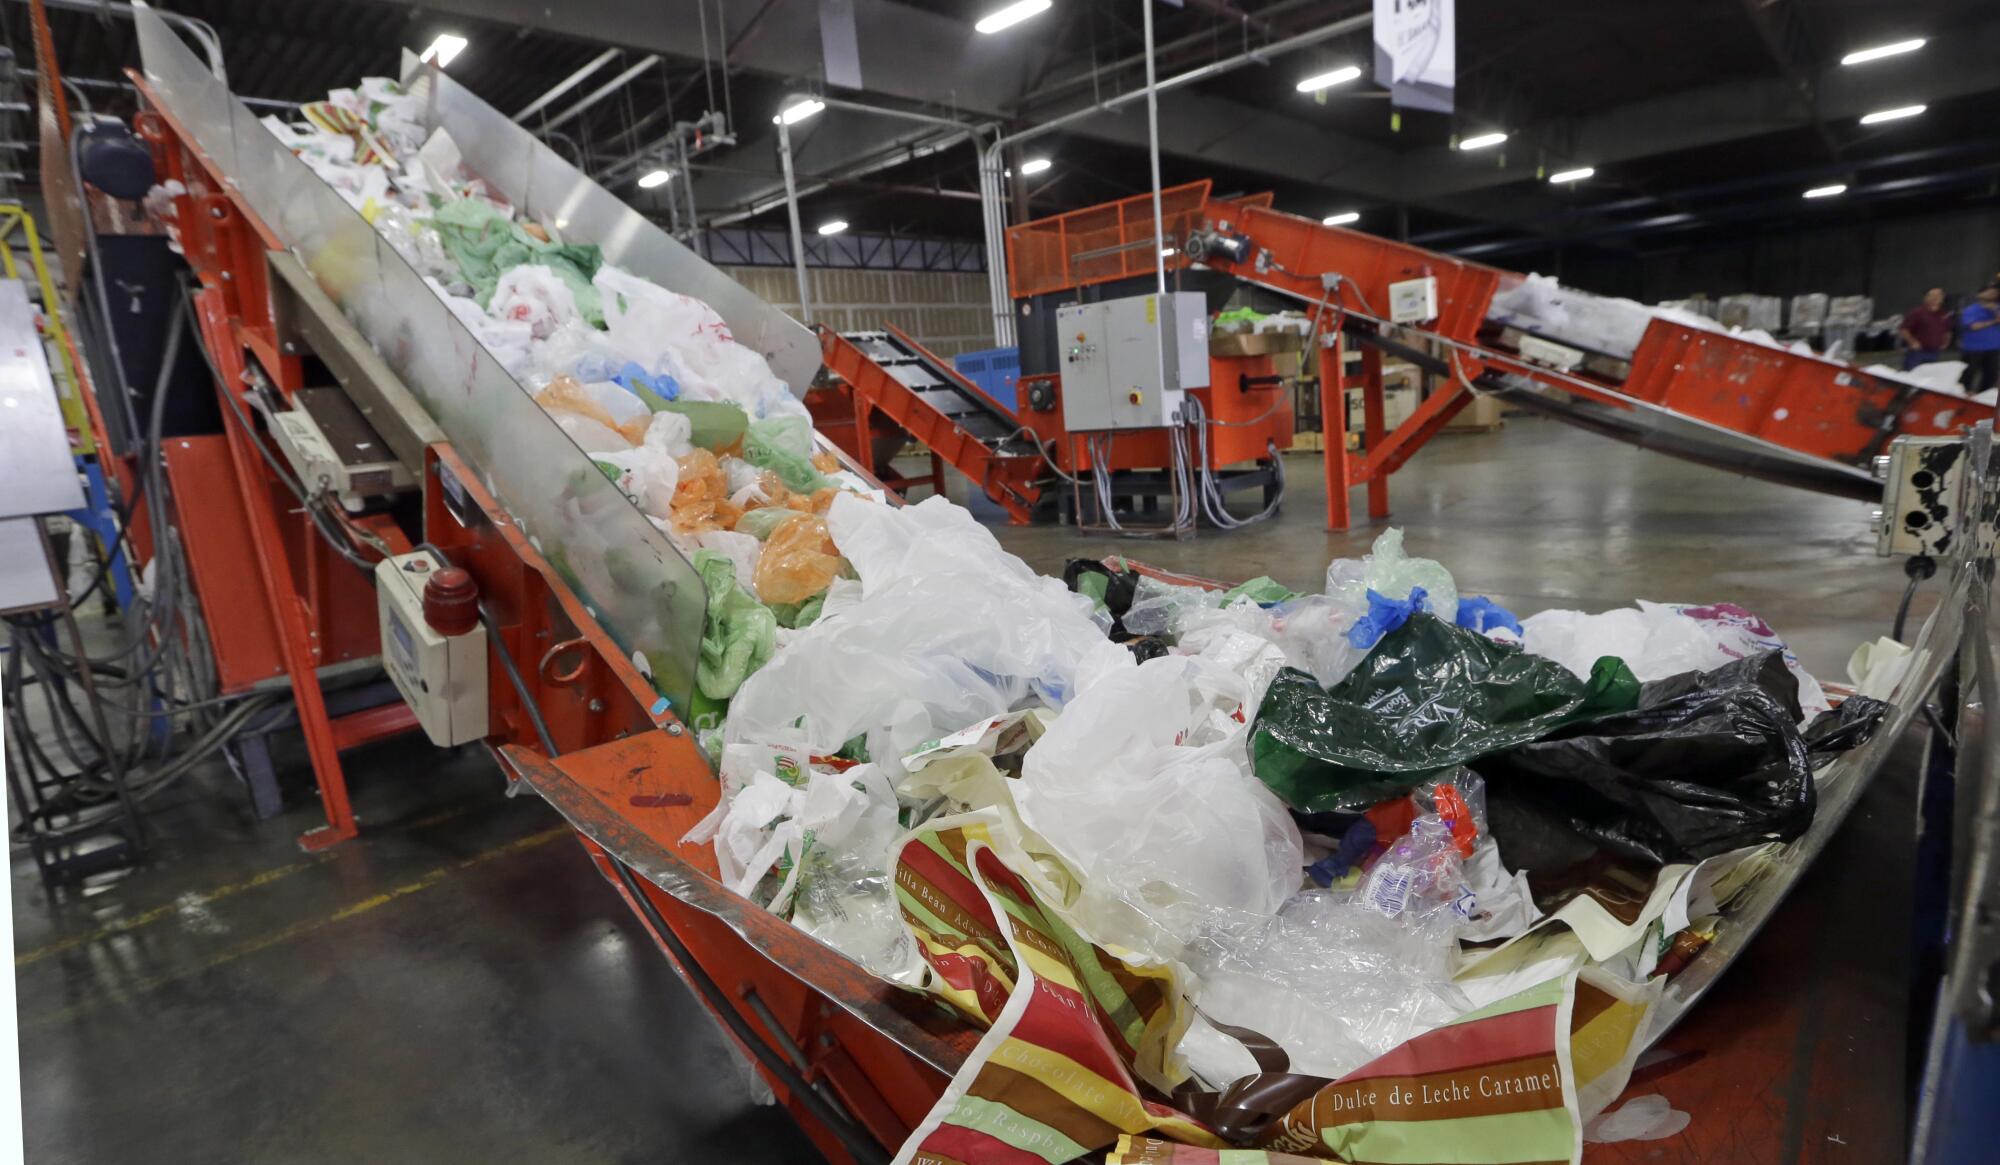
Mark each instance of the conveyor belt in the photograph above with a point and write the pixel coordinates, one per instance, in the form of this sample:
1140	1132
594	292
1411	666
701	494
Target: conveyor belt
890	373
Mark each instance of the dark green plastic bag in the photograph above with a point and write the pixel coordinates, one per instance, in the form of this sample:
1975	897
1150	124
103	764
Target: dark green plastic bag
1428	698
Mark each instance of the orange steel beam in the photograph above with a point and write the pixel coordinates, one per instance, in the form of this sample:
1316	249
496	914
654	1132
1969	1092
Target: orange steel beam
1346	273
296	638
1808	404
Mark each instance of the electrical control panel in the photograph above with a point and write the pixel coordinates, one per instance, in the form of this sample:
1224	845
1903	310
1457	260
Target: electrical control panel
1128	363
1922	495
1413	301
442	677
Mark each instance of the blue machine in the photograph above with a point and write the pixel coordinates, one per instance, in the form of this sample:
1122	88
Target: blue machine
994	370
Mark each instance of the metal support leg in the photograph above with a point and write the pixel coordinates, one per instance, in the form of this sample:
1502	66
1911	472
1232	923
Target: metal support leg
1333	430
1373	430
250	756
295	633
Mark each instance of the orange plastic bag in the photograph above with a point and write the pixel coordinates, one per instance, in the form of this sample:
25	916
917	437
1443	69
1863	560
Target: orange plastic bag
798	562
565	394
701	500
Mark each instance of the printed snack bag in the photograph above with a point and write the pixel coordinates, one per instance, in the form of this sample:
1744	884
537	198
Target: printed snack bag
1072	1029
1511	1082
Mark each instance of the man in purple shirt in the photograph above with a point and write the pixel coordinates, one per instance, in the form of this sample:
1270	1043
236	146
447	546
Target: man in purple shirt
1926	330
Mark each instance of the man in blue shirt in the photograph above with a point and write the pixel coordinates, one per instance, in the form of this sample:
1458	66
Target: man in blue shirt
1979	340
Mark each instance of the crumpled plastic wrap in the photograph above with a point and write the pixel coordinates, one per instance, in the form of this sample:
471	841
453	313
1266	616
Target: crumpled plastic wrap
1144	788
701	500
1333	983
798	562
565	394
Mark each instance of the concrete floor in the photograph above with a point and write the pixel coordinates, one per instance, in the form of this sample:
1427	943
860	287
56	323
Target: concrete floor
461	985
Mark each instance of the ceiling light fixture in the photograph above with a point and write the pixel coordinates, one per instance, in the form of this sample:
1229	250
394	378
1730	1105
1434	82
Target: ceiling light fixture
1320	81
1482	141
1012	15
833	228
1576	175
1897	114
654	178
1827	191
1035	165
1341	219
1884	50
798	111
444	49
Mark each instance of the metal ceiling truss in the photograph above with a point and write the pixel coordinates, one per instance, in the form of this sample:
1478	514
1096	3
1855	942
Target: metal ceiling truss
864	250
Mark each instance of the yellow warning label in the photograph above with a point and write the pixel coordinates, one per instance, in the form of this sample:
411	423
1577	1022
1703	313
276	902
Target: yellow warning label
1152	310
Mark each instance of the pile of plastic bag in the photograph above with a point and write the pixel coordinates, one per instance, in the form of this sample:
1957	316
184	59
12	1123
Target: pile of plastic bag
692	426
1202	862
1332	822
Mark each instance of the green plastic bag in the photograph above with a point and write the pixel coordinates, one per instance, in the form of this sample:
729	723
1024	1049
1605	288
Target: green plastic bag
738	634
783	445
759	523
1262	590
1428	698
486	244
793	616
714	425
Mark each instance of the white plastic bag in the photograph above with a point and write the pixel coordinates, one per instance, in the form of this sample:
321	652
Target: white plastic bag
1657	640
508	341
1654	643
943	629
649	472
534	295
664	331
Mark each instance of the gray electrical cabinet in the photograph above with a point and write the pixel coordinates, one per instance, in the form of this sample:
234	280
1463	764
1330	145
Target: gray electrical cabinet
1112	355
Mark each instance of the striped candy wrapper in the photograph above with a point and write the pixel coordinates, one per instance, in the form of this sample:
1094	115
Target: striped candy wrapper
1154	1151
1071	1028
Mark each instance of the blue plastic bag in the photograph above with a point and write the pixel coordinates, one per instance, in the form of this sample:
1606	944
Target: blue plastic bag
1385	615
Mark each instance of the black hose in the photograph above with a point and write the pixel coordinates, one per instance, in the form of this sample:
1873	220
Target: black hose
858	1143
1918	567
514	674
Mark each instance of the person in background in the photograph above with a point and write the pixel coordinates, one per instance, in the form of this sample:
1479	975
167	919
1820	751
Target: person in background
1926	330
1979	340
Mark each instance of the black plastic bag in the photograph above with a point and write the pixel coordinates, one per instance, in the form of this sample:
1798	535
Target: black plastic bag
1118	588
1428	697
1707	763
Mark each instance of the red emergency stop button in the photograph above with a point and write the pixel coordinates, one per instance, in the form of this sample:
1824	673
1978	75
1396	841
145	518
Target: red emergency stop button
451	602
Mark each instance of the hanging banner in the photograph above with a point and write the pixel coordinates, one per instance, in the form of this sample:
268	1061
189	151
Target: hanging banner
1416	52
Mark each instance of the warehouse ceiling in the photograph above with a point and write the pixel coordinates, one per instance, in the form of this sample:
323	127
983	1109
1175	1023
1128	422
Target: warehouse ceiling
1699	117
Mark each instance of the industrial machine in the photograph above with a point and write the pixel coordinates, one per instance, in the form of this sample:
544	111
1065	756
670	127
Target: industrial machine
1709	396
553	623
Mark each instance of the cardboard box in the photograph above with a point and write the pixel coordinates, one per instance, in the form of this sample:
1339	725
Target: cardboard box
1482	415
1254	343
